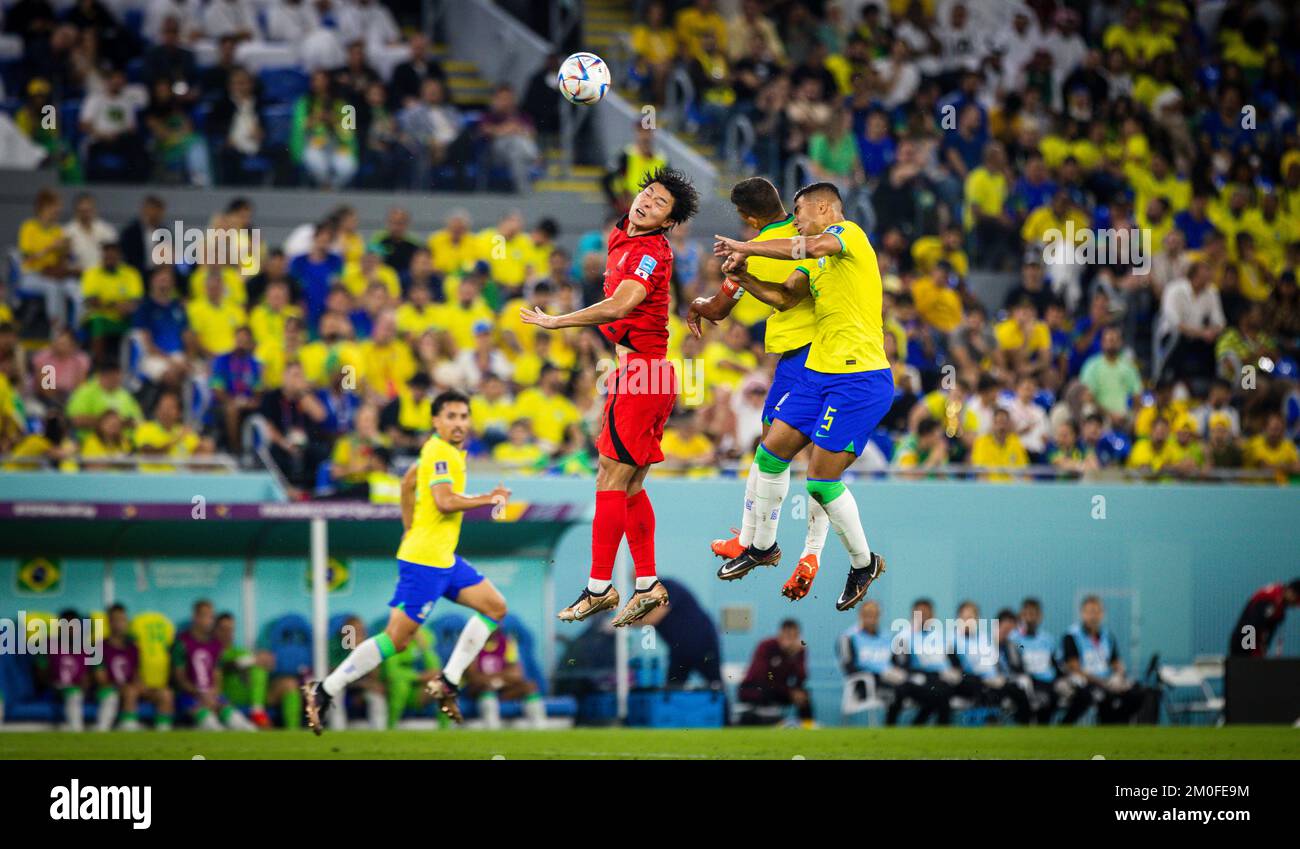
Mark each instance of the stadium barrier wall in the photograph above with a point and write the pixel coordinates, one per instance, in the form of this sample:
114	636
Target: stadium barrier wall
1173	563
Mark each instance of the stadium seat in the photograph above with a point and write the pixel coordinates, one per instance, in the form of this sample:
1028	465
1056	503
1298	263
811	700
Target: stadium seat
18	683
288	638
860	696
282	85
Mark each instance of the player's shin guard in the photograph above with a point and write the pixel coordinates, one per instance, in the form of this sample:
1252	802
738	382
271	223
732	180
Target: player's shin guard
606	533
769	493
842	510
748	518
641	538
819	524
472	637
363	659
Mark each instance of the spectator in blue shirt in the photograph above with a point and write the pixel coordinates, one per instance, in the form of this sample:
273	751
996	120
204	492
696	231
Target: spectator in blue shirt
236	386
1195	222
316	271
164	331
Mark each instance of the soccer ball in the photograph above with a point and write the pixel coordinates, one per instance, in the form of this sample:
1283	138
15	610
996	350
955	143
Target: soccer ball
584	78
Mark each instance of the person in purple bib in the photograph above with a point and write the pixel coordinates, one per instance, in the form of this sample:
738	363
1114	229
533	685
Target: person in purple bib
119	684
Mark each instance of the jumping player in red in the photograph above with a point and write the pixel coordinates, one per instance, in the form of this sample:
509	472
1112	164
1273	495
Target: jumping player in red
640	394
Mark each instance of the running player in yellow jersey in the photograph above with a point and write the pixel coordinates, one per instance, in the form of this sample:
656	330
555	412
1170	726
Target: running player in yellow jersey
788	334
428	568
844	392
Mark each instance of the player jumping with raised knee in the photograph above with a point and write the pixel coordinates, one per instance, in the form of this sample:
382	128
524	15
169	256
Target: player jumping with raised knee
788	334
429	568
846	388
640	394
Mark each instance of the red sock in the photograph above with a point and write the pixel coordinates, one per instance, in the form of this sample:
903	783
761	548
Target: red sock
641	533
607	532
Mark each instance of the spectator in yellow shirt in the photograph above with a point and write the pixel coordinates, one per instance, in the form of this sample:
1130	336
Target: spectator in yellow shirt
999	449
165	435
46	259
418	314
110	292
655	46
268	318
350	464
728	359
108	441
335	350
213	317
460	315
359	275
1272	450
454	248
985	217
546	406
519	454
693	22
687	450
1156	453
508	252
388	358
492	410
1024	342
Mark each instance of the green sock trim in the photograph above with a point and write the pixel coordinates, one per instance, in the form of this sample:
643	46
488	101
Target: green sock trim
491	624
533	697
225	712
769	462
386	647
128	716
825	491
104	692
201	714
163	720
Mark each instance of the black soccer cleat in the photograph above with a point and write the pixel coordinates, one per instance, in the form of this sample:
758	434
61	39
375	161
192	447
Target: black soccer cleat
316	703
447	695
859	581
750	559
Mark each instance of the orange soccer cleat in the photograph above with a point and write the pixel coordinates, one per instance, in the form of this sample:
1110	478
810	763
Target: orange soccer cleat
802	579
728	549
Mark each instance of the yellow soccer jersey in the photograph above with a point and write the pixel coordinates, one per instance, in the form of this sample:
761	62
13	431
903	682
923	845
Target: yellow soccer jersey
786	329
153	633
847	294
433	536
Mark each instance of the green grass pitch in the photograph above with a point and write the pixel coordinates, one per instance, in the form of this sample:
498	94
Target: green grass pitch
696	744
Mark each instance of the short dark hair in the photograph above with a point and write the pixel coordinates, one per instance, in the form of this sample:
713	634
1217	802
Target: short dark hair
756	197
1006	613
1090	599
686	198
116	607
224	616
926	427
789	623
451	396
814	188
1030	601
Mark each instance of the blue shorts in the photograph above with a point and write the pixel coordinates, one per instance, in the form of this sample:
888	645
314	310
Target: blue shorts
419	587
838	411
788	369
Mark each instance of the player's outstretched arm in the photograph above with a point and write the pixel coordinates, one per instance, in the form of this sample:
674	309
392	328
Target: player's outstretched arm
448	500
797	247
783	296
625	298
715	309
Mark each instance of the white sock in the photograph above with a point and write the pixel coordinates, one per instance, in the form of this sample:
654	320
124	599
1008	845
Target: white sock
489	708
472	637
535	711
107	711
376	711
597	587
646	583
748	519
363	659
843	513
819	524
769	493
73	703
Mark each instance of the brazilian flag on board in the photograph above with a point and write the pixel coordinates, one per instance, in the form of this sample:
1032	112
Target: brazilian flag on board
338	576
39	576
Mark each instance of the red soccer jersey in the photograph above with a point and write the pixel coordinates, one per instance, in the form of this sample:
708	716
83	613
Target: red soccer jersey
646	259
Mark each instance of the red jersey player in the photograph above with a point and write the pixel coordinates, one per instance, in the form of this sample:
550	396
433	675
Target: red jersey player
640	394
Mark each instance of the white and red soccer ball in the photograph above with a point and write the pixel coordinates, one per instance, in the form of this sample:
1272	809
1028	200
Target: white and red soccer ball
584	78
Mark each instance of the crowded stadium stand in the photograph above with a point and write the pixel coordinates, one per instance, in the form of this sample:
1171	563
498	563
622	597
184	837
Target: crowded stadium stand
257	237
